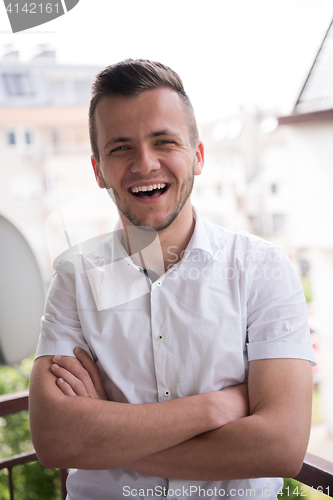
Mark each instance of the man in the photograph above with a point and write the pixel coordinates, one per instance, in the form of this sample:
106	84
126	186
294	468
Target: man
225	310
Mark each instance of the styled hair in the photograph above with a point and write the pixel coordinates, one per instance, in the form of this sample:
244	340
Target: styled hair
130	78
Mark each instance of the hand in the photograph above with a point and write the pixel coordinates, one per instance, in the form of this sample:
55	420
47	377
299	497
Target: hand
236	402
78	376
229	404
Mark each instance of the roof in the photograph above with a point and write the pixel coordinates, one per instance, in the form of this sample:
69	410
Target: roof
315	101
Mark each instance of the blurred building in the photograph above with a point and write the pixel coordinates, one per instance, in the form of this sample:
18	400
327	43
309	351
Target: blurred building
243	185
274	177
44	142
310	225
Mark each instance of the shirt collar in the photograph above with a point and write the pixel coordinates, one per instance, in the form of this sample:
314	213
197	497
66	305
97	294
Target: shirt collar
199	239
117	249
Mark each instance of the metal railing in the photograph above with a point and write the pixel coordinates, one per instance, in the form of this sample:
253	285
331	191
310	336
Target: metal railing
13	403
316	472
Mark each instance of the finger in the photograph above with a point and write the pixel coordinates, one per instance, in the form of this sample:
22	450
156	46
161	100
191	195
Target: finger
92	370
65	388
82	381
71	379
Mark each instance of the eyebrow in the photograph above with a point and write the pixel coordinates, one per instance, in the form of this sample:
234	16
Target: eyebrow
158	133
116	140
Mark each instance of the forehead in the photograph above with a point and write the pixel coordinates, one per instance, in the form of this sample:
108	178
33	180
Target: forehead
151	110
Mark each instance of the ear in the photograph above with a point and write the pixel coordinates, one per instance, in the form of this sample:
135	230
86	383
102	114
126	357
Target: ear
199	159
97	172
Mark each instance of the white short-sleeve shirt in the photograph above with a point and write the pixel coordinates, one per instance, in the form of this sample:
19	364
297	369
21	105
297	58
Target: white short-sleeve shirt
232	298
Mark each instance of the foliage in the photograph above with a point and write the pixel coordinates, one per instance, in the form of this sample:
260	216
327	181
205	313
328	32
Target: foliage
317	416
31	481
293	490
306	284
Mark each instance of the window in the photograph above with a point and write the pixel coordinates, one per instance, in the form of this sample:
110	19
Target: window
27	137
17	84
11	139
20	139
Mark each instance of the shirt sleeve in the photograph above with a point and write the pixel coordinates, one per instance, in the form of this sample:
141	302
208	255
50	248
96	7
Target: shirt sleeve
60	325
277	316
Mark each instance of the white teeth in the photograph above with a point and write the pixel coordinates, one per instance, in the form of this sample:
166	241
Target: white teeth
137	189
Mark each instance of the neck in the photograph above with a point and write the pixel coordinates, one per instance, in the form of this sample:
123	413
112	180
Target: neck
160	251
176	237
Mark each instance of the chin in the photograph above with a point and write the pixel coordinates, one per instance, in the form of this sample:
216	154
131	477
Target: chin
158	224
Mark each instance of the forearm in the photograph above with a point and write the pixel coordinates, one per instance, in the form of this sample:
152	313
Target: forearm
87	433
246	448
92	434
271	442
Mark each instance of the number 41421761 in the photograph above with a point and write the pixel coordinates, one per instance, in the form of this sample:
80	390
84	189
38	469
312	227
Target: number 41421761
33	8
304	491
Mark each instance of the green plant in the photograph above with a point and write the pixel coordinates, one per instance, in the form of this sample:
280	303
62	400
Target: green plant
31	481
294	490
307	289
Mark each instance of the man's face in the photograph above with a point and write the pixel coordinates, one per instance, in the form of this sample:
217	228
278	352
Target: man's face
146	156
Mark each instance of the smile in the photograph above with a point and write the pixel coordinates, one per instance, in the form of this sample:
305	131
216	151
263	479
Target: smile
151	191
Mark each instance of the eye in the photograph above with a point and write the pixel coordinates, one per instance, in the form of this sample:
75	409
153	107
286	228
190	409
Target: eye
165	141
120	148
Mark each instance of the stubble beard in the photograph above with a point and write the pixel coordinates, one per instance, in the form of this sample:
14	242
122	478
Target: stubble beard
137	221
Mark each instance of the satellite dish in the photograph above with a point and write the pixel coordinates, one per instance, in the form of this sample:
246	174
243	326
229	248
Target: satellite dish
22	295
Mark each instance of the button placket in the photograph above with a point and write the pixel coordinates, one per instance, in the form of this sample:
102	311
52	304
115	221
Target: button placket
158	339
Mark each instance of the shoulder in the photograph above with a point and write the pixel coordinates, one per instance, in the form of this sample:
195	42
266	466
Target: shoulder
241	246
93	253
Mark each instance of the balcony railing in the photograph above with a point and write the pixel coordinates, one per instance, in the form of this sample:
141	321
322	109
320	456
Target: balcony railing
13	403
316	472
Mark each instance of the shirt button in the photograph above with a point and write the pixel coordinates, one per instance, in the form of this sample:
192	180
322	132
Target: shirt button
166	393
159	283
160	336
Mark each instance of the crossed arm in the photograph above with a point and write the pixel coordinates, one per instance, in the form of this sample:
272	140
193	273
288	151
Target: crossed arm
211	436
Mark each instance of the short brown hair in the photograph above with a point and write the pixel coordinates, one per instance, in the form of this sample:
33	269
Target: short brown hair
130	78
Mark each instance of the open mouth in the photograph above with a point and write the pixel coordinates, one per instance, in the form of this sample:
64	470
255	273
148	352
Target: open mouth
152	191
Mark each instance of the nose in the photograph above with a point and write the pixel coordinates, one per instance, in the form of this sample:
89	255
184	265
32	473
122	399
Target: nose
145	161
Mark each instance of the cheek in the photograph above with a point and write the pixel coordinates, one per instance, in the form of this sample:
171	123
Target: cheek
181	168
112	174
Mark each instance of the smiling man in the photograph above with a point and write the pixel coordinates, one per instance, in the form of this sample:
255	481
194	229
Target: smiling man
147	154
149	168
199	385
